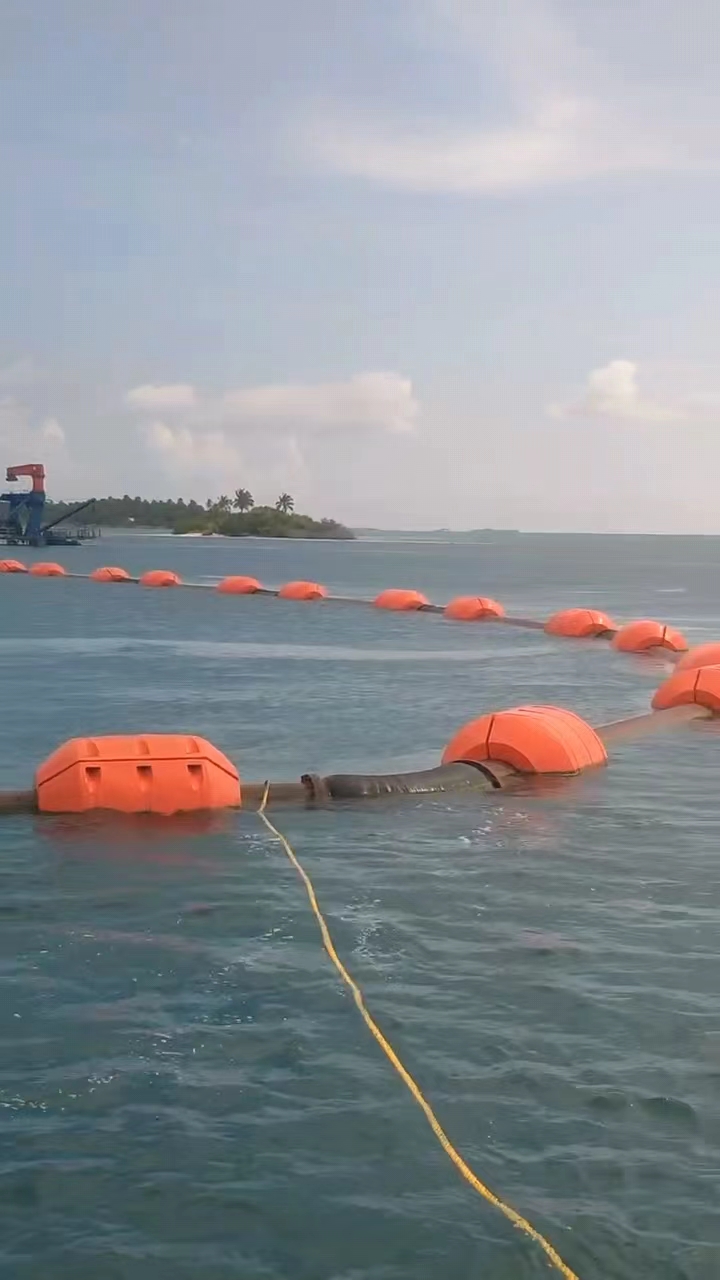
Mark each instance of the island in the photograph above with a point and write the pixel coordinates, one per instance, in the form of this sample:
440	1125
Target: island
236	517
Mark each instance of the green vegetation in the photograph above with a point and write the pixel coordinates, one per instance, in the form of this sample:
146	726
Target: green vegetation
121	513
235	517
262	522
243	500
286	504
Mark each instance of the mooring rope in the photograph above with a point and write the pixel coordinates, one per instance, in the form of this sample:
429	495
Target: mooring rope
461	1165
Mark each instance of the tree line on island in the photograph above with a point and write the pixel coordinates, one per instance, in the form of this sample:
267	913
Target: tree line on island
234	517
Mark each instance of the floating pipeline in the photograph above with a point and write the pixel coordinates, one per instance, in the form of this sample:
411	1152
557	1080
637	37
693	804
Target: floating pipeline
644	635
175	773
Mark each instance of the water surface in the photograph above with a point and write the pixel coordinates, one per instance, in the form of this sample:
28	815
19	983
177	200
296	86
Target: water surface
186	1089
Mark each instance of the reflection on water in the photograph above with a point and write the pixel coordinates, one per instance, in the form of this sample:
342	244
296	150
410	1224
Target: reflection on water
187	1090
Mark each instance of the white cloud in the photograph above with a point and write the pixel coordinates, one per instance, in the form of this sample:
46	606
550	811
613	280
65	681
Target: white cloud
195	453
564	139
20	436
569	117
524	39
21	373
161	398
14	421
271	437
51	432
381	401
23	439
612	392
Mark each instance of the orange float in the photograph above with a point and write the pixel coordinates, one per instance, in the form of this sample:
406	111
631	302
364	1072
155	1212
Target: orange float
47	569
473	609
579	623
638	637
110	573
153	773
302	591
160	578
694	684
529	739
238	586
12	566
702	655
401	601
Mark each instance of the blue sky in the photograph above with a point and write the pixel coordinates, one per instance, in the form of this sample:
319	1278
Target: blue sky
421	262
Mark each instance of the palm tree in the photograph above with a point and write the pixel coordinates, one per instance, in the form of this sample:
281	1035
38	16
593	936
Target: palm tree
243	500
285	503
223	503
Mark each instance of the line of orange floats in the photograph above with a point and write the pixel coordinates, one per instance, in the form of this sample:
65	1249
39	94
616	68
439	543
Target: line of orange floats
578	623
175	773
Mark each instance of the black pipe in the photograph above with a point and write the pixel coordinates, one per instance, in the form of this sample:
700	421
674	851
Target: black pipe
68	515
654	722
18	802
448	777
530	624
313	790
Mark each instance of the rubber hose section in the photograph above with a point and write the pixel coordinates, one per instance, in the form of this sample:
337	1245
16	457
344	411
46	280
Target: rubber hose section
449	777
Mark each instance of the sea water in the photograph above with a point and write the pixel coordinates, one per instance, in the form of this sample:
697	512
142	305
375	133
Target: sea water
186	1089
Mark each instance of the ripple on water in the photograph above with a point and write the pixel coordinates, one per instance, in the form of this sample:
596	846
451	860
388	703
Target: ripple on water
185	1086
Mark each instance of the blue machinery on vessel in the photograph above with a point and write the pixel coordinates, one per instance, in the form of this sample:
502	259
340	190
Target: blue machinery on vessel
23	525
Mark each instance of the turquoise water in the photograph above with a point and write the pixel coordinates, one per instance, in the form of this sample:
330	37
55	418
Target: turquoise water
185	1088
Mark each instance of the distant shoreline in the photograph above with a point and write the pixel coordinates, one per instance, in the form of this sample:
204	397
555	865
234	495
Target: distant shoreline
450	537
231	518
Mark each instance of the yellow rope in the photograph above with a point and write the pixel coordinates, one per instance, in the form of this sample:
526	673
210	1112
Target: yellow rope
516	1218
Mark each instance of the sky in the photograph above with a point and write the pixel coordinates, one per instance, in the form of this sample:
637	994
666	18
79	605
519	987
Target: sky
421	263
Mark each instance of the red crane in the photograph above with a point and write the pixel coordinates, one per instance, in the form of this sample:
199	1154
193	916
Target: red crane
35	470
